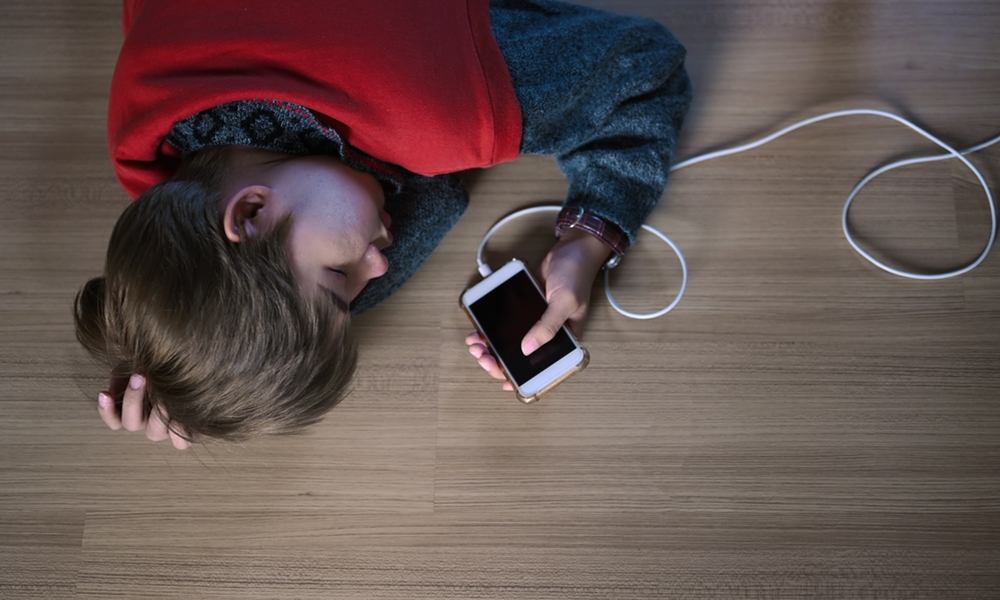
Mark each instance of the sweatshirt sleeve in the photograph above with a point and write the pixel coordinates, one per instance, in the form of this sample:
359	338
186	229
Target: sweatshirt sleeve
605	94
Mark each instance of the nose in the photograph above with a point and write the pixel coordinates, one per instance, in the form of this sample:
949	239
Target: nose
375	262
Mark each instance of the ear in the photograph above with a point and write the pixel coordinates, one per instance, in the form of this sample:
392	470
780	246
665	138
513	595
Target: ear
245	212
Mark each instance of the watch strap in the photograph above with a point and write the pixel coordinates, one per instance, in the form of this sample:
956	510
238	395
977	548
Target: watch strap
575	217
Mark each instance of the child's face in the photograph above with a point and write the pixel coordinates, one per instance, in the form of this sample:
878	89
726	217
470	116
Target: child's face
340	226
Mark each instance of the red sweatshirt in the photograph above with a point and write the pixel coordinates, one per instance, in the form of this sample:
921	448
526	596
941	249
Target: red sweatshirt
421	84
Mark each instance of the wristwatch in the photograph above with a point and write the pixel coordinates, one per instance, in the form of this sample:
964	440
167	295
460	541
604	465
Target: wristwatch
575	217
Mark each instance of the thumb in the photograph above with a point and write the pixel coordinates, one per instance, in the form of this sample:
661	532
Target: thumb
545	329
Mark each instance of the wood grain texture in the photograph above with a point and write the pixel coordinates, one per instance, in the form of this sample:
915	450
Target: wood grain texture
803	425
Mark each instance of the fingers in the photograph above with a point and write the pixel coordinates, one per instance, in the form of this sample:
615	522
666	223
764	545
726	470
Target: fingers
547	327
117	384
156	426
477	346
478	349
107	407
179	442
178	434
108	411
132	414
131	390
491	366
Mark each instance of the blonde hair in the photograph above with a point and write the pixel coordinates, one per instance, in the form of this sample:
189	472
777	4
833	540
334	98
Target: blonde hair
229	346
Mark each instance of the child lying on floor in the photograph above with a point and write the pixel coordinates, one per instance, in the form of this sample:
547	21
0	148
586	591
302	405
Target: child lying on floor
294	162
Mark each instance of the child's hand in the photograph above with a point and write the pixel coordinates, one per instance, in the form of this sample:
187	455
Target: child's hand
478	348
567	275
131	390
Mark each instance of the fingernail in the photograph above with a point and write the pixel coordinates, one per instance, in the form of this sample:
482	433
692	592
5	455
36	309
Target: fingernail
529	347
485	367
104	400
136	381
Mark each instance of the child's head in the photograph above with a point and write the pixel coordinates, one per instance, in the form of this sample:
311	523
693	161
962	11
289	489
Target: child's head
228	287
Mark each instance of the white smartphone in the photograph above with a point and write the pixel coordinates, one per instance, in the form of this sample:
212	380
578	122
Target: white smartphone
503	307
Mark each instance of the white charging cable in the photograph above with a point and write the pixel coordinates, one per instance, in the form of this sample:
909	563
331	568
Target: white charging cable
951	153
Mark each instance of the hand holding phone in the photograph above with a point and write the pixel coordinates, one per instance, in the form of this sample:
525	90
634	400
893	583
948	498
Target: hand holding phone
504	307
568	273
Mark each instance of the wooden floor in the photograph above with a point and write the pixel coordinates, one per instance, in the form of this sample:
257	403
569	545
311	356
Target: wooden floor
802	426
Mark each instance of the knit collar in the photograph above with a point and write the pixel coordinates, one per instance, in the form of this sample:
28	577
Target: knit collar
276	126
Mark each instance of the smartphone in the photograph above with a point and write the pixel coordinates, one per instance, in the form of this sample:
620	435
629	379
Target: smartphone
503	307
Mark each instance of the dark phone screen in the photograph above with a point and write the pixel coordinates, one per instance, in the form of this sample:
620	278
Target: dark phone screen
506	314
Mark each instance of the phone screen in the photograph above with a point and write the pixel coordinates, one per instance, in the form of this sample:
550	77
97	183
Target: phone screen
505	315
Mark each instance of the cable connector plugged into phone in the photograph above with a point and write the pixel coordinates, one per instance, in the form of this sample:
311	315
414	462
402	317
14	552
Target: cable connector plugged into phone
484	269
